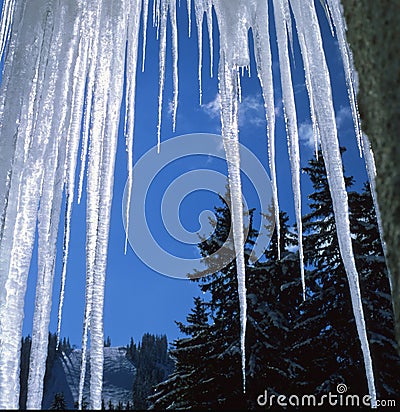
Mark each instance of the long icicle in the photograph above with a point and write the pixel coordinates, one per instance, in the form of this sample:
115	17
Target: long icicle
145	14
58	93
371	171
111	76
24	186
172	17
7	14
131	66
291	123
233	54
163	13
94	16
305	15
230	137
73	139
91	32
199	13
264	71
364	145
335	9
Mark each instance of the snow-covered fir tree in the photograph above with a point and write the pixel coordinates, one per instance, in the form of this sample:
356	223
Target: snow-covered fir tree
325	340
207	373
292	346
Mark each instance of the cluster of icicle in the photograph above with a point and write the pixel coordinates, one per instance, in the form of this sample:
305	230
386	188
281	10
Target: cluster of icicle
62	90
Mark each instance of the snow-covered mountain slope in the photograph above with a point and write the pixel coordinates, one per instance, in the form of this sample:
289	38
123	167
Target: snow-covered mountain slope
118	377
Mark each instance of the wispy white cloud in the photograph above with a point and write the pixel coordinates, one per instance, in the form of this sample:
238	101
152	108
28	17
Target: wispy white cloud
342	115
251	110
170	107
306	134
279	109
212	108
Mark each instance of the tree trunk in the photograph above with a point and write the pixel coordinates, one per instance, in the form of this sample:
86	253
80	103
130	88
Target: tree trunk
374	37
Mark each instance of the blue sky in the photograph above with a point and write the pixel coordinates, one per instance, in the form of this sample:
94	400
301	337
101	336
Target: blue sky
139	300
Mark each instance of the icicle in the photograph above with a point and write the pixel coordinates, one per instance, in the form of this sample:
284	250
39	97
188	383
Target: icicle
133	35
157	16
101	78
199	12
264	70
8	146
91	31
55	114
67	231
239	86
233	54
305	16
50	206
189	10
314	121
328	15
230	134
201	8
335	9
7	13
78	90
86	324
163	43
208	11
288	24
371	171
93	16
104	132
167	5
172	15
145	18
33	119
291	123
24	187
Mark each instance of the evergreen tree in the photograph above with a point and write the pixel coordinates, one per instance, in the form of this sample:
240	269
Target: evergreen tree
292	347
52	354
208	362
24	370
85	404
153	365
325	339
173	392
59	402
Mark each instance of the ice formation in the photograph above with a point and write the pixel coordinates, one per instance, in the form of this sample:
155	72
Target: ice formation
62	87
